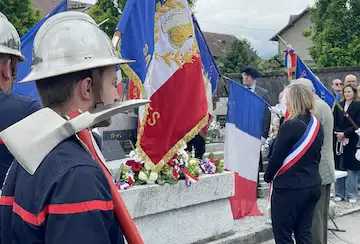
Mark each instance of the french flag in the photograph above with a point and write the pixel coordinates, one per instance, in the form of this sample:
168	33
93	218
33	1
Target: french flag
160	36
242	147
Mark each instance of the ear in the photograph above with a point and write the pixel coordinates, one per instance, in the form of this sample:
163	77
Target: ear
86	88
5	68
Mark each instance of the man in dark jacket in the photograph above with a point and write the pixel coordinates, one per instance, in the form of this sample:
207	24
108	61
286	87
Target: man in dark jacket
13	108
68	198
249	80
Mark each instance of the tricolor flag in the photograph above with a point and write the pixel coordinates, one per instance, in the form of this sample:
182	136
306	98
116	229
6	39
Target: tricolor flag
160	37
27	43
244	123
211	72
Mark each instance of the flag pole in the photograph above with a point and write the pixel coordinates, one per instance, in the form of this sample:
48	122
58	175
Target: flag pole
336	102
267	104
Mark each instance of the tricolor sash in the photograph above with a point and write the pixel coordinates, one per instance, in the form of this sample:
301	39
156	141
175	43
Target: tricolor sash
300	148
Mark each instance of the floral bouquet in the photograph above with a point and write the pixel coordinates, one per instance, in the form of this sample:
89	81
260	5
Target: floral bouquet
181	166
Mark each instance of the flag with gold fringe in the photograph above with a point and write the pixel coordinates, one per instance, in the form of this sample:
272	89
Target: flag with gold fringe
160	37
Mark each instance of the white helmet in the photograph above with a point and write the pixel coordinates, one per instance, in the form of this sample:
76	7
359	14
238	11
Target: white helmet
69	42
9	38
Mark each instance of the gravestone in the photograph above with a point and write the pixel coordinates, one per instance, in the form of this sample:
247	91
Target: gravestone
221	111
112	150
119	138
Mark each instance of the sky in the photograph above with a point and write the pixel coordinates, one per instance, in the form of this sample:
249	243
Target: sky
255	20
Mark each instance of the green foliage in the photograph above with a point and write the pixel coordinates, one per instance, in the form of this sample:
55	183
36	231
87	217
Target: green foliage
21	14
105	9
306	33
242	54
220	164
336	33
272	64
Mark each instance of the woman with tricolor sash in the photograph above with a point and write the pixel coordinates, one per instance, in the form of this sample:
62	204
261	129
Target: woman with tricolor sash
293	168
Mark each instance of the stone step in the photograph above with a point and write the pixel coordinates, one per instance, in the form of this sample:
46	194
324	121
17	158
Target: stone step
217	154
263	192
264	184
214	147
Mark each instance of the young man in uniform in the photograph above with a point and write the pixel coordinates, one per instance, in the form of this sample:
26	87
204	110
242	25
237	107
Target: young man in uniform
68	198
13	108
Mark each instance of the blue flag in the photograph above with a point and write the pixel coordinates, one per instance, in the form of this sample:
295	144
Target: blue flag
136	26
27	43
211	70
302	71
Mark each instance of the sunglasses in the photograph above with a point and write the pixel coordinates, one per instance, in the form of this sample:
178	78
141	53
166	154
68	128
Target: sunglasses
338	84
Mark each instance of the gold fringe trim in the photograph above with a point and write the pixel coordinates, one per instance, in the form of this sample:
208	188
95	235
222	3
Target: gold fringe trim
149	164
134	77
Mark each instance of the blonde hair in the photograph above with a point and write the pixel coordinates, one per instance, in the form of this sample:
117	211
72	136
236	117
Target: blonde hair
300	99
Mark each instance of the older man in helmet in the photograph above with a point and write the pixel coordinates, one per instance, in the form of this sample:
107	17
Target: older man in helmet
12	107
68	198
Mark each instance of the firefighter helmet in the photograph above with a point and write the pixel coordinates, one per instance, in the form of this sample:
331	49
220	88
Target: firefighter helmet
9	38
70	42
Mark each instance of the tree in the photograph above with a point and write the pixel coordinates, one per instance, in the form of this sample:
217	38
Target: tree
21	14
274	63
111	9
107	9
336	33
242	54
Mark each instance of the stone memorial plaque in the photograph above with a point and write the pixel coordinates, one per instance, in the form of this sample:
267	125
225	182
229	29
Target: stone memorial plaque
127	146
221	119
112	150
120	135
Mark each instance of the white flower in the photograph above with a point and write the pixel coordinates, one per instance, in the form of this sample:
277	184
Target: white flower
149	166
193	161
152	177
143	176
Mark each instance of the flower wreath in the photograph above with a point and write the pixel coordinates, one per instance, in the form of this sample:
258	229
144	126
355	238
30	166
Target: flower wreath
181	167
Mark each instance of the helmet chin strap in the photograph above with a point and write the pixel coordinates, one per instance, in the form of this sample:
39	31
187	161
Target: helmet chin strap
98	98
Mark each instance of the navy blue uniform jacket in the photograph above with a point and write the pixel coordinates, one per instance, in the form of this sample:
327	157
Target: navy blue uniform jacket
13	108
67	200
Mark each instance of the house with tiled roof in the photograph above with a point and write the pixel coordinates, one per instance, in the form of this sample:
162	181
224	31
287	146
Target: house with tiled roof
46	6
292	33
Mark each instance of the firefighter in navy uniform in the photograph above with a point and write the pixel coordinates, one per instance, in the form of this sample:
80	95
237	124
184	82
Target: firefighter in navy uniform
68	198
13	108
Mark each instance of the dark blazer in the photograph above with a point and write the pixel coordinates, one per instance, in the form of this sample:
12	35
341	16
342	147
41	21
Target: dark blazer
305	173
342	124
264	94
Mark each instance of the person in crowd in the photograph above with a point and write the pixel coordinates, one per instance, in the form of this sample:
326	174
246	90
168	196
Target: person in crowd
293	168
250	75
337	88
68	199
198	144
351	80
345	147
326	167
13	108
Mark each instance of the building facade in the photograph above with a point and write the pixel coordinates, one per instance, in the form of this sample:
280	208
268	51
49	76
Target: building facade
292	34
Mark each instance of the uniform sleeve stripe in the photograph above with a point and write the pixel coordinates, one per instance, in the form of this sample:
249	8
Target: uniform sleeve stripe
7	201
56	209
1	142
